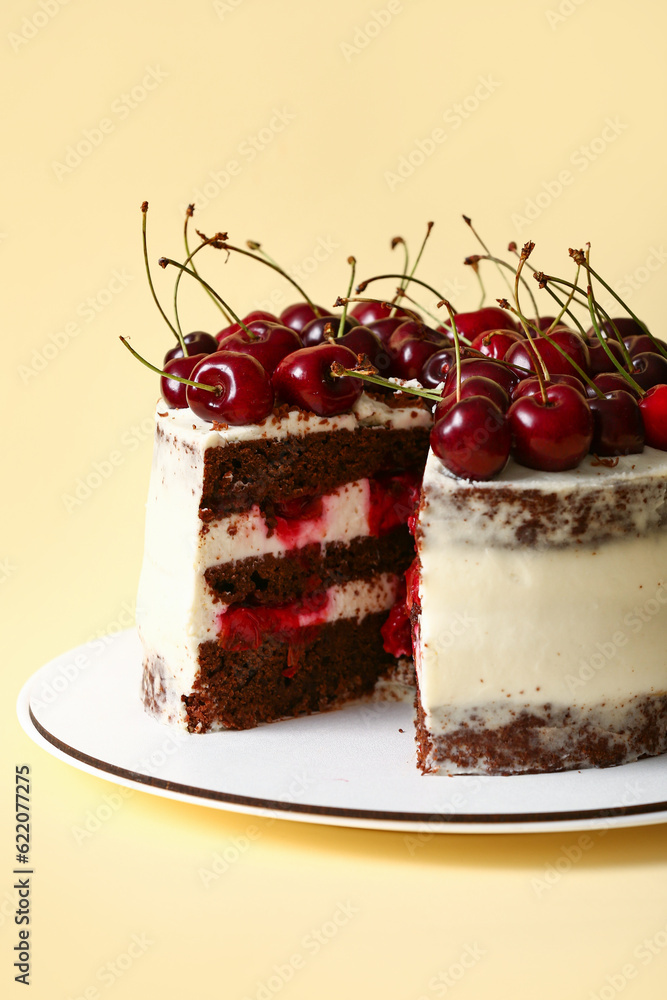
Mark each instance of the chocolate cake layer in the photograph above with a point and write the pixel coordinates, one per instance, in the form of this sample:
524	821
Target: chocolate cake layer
546	739
238	690
272	579
245	473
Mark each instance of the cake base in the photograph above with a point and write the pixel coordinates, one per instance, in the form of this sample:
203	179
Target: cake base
535	740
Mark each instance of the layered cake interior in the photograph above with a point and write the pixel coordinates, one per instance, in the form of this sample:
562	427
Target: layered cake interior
539	617
273	554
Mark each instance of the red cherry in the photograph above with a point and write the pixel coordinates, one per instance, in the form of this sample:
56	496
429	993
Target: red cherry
649	370
412	330
598	359
471	324
304	379
173	392
313	332
617	424
436	368
269	347
197	343
362	340
383	328
551	437
473	439
610	382
626	326
531	386
370	312
246	395
496	343
298	314
543	322
256	314
653	408
481	366
477	385
523	354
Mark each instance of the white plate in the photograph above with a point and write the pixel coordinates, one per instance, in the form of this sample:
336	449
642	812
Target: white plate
352	767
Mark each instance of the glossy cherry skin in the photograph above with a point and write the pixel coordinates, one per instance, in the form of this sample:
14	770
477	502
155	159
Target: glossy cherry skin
473	439
649	370
197	343
471	324
304	379
384	328
626	326
543	322
644	345
618	428
598	359
361	340
256	314
610	382
173	392
522	353
246	393
496	343
413	330
531	386
477	385
653	408
296	316
370	312
408	361
554	437
269	346
313	333
437	367
481	366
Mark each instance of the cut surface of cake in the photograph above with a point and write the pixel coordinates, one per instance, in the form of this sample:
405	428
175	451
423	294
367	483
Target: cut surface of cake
273	554
540	618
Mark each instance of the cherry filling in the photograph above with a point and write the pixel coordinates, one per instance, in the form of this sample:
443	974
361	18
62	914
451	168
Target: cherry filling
396	631
243	626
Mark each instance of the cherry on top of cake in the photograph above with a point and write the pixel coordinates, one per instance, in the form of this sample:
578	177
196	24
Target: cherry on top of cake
501	384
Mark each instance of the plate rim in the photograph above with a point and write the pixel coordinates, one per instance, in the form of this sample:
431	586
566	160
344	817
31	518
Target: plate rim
443	822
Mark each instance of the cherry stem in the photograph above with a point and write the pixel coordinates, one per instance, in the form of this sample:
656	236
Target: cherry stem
566	305
436	319
543	280
399	241
629	311
275	267
486	250
591	308
339	371
163	261
471	261
341	326
177	333
526	251
178	378
381	277
254	245
457	346
189	212
196	273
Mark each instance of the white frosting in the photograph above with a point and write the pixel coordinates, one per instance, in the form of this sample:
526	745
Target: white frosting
570	624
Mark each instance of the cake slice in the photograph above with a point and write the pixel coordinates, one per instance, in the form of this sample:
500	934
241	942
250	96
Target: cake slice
273	554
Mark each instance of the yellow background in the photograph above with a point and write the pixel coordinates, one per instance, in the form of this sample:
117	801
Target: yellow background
539	83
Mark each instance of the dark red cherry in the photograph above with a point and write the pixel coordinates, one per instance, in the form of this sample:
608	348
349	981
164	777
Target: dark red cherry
610	382
313	332
304	379
543	322
407	362
644	345
299	313
496	343
598	359
477	385
269	346
618	428
245	396
384	328
531	386
552	437
413	330
481	366
649	370
522	353
361	340
626	326
197	343
653	408
173	392
473	439
437	367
